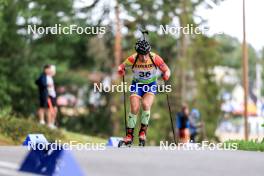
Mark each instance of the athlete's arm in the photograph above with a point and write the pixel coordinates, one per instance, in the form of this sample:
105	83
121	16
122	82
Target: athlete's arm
163	67
128	62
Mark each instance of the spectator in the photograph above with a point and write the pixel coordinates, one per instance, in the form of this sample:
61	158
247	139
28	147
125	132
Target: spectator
195	124
43	94
52	113
47	96
183	124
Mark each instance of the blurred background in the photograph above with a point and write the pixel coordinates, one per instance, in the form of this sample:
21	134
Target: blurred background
206	68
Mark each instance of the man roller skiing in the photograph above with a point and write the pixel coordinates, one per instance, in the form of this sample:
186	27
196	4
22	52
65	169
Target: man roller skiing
145	66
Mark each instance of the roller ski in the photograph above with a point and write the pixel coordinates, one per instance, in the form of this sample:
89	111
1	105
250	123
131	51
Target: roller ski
128	139
142	141
142	135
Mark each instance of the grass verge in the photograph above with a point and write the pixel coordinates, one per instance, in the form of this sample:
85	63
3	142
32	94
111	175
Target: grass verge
248	145
81	138
13	131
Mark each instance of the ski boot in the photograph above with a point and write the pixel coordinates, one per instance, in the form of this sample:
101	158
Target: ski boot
128	139
142	135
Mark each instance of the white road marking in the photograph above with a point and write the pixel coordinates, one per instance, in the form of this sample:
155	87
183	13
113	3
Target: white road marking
9	165
11	169
7	172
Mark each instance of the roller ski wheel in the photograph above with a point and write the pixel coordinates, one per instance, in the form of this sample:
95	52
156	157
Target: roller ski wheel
127	141
124	144
120	143
141	143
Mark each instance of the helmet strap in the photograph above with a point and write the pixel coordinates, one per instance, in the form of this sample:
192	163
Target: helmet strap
151	58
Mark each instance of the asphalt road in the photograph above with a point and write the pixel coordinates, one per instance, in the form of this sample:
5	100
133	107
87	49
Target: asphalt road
150	161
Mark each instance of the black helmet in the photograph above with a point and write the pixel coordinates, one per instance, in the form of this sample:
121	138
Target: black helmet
142	45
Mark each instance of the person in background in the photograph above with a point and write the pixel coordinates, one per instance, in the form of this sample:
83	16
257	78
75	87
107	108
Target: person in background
41	82
183	124
195	123
52	105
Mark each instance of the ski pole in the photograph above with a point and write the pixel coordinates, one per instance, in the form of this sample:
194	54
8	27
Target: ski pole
124	95
171	120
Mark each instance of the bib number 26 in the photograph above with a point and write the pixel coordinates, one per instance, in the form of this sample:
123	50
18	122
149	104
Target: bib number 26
144	74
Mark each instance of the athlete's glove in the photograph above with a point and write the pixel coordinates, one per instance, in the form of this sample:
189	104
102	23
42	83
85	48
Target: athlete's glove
121	70
166	75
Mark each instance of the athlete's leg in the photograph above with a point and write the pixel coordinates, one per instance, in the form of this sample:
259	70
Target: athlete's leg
135	97
148	97
147	102
134	104
134	109
132	118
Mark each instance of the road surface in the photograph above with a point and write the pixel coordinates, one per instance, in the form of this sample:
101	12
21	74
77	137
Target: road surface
150	161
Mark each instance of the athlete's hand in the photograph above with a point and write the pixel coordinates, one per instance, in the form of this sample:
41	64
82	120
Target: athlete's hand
121	70
166	75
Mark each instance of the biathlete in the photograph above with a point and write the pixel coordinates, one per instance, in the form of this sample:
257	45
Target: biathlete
145	66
